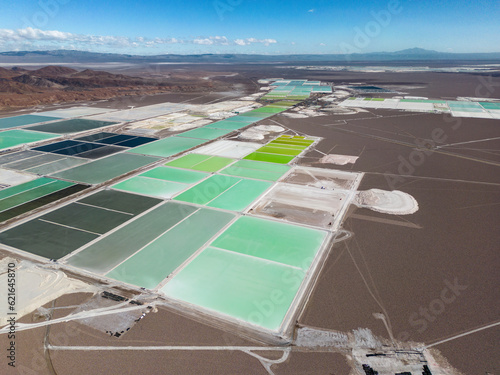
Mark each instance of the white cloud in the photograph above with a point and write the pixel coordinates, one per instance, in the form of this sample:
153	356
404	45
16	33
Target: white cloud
212	40
33	38
311	10
322	44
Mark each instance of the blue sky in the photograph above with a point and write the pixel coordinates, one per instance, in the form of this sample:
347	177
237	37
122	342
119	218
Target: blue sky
250	26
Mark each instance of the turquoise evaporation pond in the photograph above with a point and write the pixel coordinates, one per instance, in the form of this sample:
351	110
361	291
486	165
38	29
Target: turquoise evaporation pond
206	133
154	262
241	274
161	182
167	146
489	105
16	137
151	187
465	106
242	119
226	124
225	192
12	122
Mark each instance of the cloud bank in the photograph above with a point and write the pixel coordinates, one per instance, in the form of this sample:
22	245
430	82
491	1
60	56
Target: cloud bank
30	38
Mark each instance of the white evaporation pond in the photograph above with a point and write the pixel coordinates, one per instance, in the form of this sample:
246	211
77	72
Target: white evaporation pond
229	149
13	178
75	112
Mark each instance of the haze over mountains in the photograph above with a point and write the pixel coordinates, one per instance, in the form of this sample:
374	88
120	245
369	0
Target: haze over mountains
72	56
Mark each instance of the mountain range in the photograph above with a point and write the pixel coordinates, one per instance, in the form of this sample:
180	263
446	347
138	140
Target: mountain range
21	87
72	56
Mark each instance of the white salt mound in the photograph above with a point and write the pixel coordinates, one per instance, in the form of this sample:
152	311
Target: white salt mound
295	115
338	159
252	135
36	286
269	128
390	202
258	132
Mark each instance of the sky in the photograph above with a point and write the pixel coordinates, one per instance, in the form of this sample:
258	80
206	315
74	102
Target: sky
250	26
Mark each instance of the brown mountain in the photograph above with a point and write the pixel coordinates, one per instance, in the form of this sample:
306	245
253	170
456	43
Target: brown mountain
58	84
7	73
12	87
36	81
54	71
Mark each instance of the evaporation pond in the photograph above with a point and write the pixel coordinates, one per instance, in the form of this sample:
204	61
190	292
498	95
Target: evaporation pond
198	162
16	137
256	169
66	229
105	169
151	187
71	126
270	158
158	259
167	146
236	285
225	192
12	122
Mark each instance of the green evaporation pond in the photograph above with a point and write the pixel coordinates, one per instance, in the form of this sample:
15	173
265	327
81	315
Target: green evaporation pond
255	169
33	193
279	150
41	201
110	251
157	260
198	162
285	144
12	122
151	186
286	104
289	244
270	158
120	201
294	141
167	146
48	240
206	133
257	115
245	288
105	169
16	137
10	191
92	219
175	175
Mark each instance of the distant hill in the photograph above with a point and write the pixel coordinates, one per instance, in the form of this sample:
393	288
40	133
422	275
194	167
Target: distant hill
70	56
